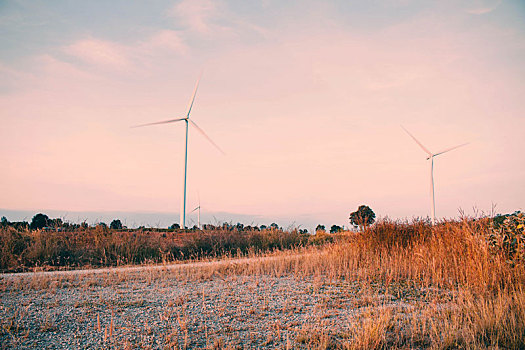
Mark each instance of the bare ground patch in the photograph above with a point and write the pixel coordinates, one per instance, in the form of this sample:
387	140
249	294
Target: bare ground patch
163	309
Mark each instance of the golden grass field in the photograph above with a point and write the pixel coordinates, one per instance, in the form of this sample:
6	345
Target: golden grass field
393	285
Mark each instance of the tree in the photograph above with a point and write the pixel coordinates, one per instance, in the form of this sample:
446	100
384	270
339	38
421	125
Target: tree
39	221
274	226
56	223
335	229
20	225
116	224
102	225
174	227
4	221
320	228
363	217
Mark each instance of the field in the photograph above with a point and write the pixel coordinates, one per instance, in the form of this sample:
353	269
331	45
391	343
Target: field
394	285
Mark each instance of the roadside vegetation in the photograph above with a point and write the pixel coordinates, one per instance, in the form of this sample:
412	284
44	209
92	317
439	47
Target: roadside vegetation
459	284
100	246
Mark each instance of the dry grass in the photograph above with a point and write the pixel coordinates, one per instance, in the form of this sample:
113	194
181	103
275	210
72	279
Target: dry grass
25	250
462	293
454	260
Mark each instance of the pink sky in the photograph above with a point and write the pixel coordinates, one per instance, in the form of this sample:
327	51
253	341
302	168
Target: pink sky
307	109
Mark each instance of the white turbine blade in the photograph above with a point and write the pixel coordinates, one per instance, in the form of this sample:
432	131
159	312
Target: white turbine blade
194	209
190	105
161	122
206	136
450	149
419	143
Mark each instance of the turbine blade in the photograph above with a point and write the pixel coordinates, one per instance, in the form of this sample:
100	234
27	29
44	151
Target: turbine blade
194	209
206	136
419	143
190	105
451	148
161	122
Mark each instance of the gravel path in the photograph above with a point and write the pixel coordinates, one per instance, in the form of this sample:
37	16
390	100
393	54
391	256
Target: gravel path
127	269
148	308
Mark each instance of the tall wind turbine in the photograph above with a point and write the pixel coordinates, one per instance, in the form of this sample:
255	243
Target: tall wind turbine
187	120
431	158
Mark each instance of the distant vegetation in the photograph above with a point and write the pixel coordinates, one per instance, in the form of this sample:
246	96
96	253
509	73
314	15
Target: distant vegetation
51	243
456	285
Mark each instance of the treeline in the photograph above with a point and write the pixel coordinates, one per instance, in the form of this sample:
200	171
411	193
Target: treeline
363	217
43	222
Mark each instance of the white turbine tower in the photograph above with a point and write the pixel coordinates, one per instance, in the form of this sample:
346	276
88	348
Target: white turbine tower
187	120
431	158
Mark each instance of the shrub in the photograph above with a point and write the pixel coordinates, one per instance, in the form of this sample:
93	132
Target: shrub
506	235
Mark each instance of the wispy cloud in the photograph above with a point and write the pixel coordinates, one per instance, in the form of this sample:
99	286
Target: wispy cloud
212	18
120	57
195	15
100	52
166	40
484	7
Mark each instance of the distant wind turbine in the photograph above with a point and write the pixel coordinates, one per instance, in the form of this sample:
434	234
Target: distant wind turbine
188	121
431	157
198	214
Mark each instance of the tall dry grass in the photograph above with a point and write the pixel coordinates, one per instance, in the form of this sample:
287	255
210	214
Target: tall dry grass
471	296
449	255
22	250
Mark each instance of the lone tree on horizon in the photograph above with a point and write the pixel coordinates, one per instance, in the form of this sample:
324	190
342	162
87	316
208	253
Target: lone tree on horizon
39	221
116	224
363	217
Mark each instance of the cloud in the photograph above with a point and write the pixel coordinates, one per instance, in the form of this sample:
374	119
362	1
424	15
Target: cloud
483	7
99	52
168	40
120	57
196	15
207	18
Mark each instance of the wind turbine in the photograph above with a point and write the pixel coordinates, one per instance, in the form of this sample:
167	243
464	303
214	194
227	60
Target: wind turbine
431	158
187	120
198	214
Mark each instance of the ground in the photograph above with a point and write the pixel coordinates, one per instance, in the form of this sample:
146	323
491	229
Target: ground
191	306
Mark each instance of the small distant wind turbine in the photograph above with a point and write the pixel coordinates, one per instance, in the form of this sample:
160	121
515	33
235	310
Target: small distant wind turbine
198	214
431	157
187	120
